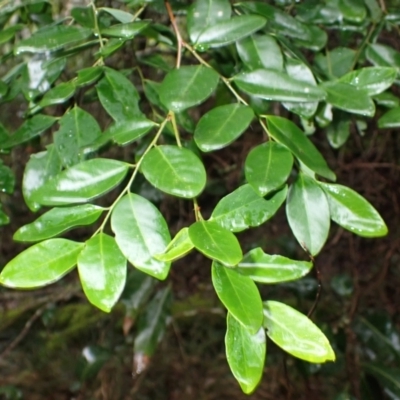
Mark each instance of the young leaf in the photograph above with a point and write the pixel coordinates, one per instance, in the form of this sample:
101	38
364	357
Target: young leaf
82	182
240	295
179	246
78	129
118	96
245	353
229	31
391	119
295	333
102	271
307	211
353	212
175	170
58	95
141	232
215	242
58	220
276	85
244	208
266	268
268	167
41	264
221	126
288	134
187	86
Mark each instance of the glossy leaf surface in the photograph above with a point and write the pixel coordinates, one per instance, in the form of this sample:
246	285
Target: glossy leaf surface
383	56
58	94
276	85
245	353
128	131
57	221
102	271
87	76
288	134
339	130
268	167
240	295
174	170
244	208
267	268
215	242
41	264
353	212
179	246
187	86
391	119
124	31
307	211
141	232
295	333
221	126
82	182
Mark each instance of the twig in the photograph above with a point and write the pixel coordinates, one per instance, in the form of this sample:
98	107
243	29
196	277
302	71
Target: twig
177	33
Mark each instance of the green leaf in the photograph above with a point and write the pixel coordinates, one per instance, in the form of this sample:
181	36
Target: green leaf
28	130
244	208
353	212
82	182
121	16
110	47
276	85
353	10
391	119
58	220
245	353
266	268
336	63
141	232
239	294
307	211
125	31
87	76
187	86
127	131
84	16
4	219
260	51
78	129
339	131
229	31
387	377
268	166
118	96
348	98
204	13
383	56
221	126
295	333
102	271
179	246
373	80
215	242
58	95
8	33
288	134
52	38
7	179
39	169
174	170
387	99
41	264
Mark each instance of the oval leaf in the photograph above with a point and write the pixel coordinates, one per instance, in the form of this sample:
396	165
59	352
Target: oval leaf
244	208
127	131
288	134
187	86
353	212
215	242
41	264
58	94
124	31
383	56
179	246
268	167
245	353
390	119
221	126
58	220
174	170
296	334
266	268
102	271
307	211
82	182
141	232
240	295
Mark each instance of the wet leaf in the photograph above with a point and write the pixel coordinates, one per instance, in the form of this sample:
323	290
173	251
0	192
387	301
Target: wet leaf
240	295
7	179
295	333
58	95
179	246
141	232
41	264
245	353
391	119
102	271
124	31
266	268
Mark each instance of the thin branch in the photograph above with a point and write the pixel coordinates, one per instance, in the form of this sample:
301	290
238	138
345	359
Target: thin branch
177	33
